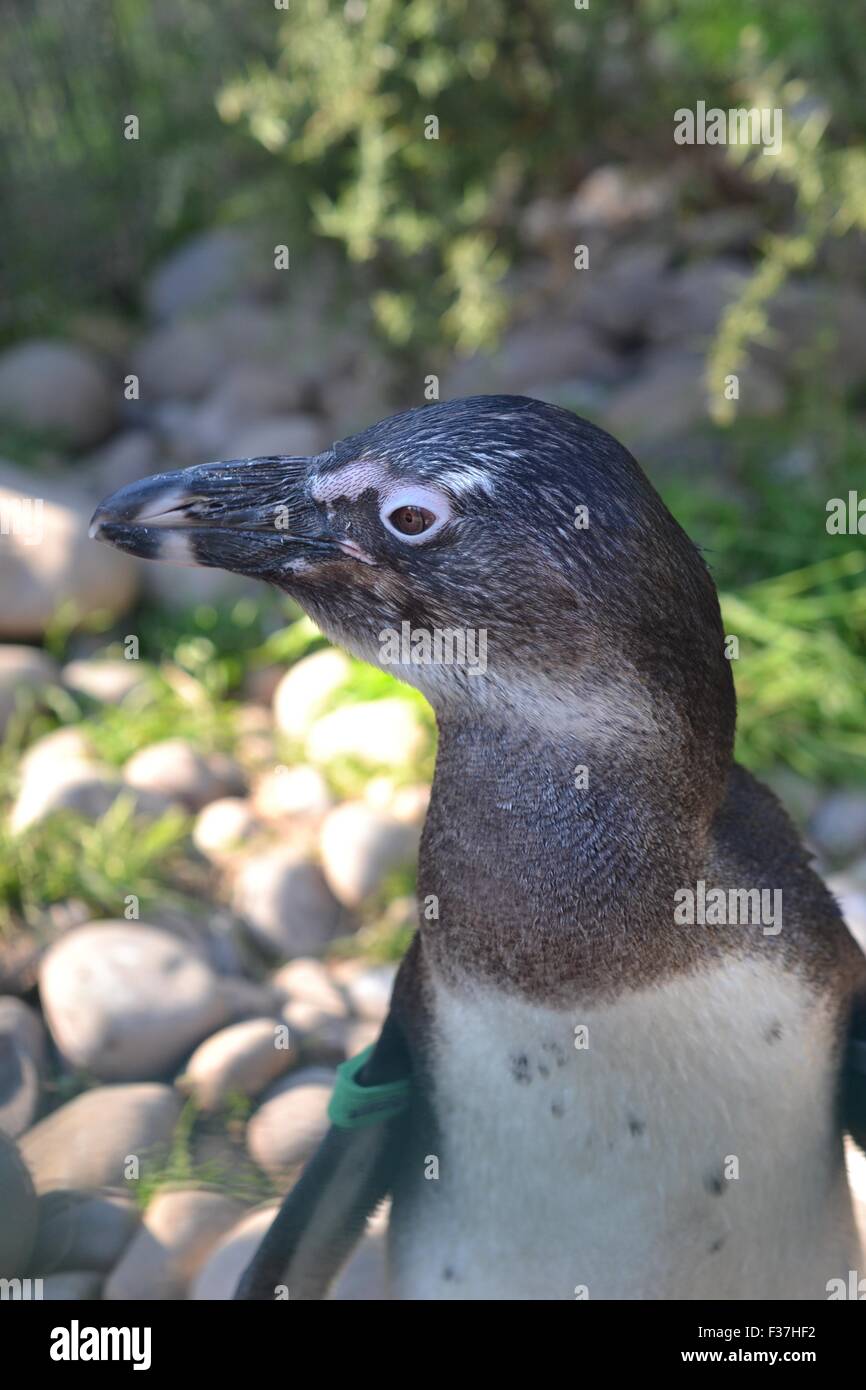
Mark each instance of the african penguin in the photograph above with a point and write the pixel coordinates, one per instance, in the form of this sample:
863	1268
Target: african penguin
585	1087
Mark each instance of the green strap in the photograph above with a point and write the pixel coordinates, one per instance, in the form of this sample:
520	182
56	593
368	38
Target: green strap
352	1105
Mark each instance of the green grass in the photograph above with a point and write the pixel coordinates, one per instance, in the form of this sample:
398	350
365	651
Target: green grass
97	862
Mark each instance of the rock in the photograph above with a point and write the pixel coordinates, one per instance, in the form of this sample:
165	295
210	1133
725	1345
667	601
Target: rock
82	1230
22	1023
620	300
286	902
248	393
359	847
223	826
219	1277
670	398
290	1122
368	988
247	999
47	558
298	792
320	1036
203	272
123	460
181	360
306	688
550	352
361	1035
174	768
694	300
60	746
87	788
57	389
298	435
176	1236
179	587
86	1142
383	733
127	1001
818	326
615	196
72	1286
839	825
20	1212
242	1059
307	981
410	803
24	672
108	681
19	1087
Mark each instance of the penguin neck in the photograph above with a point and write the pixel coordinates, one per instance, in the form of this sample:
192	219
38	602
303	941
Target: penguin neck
536	845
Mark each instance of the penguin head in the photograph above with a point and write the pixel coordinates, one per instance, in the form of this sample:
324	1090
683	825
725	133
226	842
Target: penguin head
502	554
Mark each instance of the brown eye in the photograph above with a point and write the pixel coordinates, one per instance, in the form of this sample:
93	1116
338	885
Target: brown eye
411	521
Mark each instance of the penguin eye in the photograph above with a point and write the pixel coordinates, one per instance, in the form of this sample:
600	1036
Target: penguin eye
414	513
411	521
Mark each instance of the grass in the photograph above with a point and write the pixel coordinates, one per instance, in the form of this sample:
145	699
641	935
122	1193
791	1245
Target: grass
98	863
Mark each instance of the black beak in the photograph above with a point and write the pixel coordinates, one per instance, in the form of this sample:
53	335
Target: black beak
251	516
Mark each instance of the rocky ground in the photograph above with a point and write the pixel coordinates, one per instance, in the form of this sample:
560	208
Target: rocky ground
164	1073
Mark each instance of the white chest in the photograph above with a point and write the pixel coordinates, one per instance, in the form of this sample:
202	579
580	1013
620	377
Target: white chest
678	1143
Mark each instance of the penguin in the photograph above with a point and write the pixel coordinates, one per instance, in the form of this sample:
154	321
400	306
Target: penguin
628	1039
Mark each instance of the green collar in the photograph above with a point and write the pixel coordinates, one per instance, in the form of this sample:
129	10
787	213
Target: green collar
352	1105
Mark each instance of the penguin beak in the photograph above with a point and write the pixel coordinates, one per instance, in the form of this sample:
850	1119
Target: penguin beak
251	516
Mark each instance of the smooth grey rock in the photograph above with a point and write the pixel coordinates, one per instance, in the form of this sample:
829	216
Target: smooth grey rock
219	1276
279	434
320	1037
85	787
106	680
290	1122
240	1060
306	980
286	902
380	733
19	1087
203	272
72	1286
124	459
47	559
86	1142
174	768
177	1234
360	846
296	792
368	988
59	389
306	688
181	360
125	1001
23	1023
24	672
82	1230
20	1211
222	827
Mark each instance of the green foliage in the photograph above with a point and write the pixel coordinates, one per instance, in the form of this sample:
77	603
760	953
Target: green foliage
800	683
98	863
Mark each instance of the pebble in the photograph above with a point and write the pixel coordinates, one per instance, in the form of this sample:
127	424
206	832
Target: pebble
125	1001
87	1142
